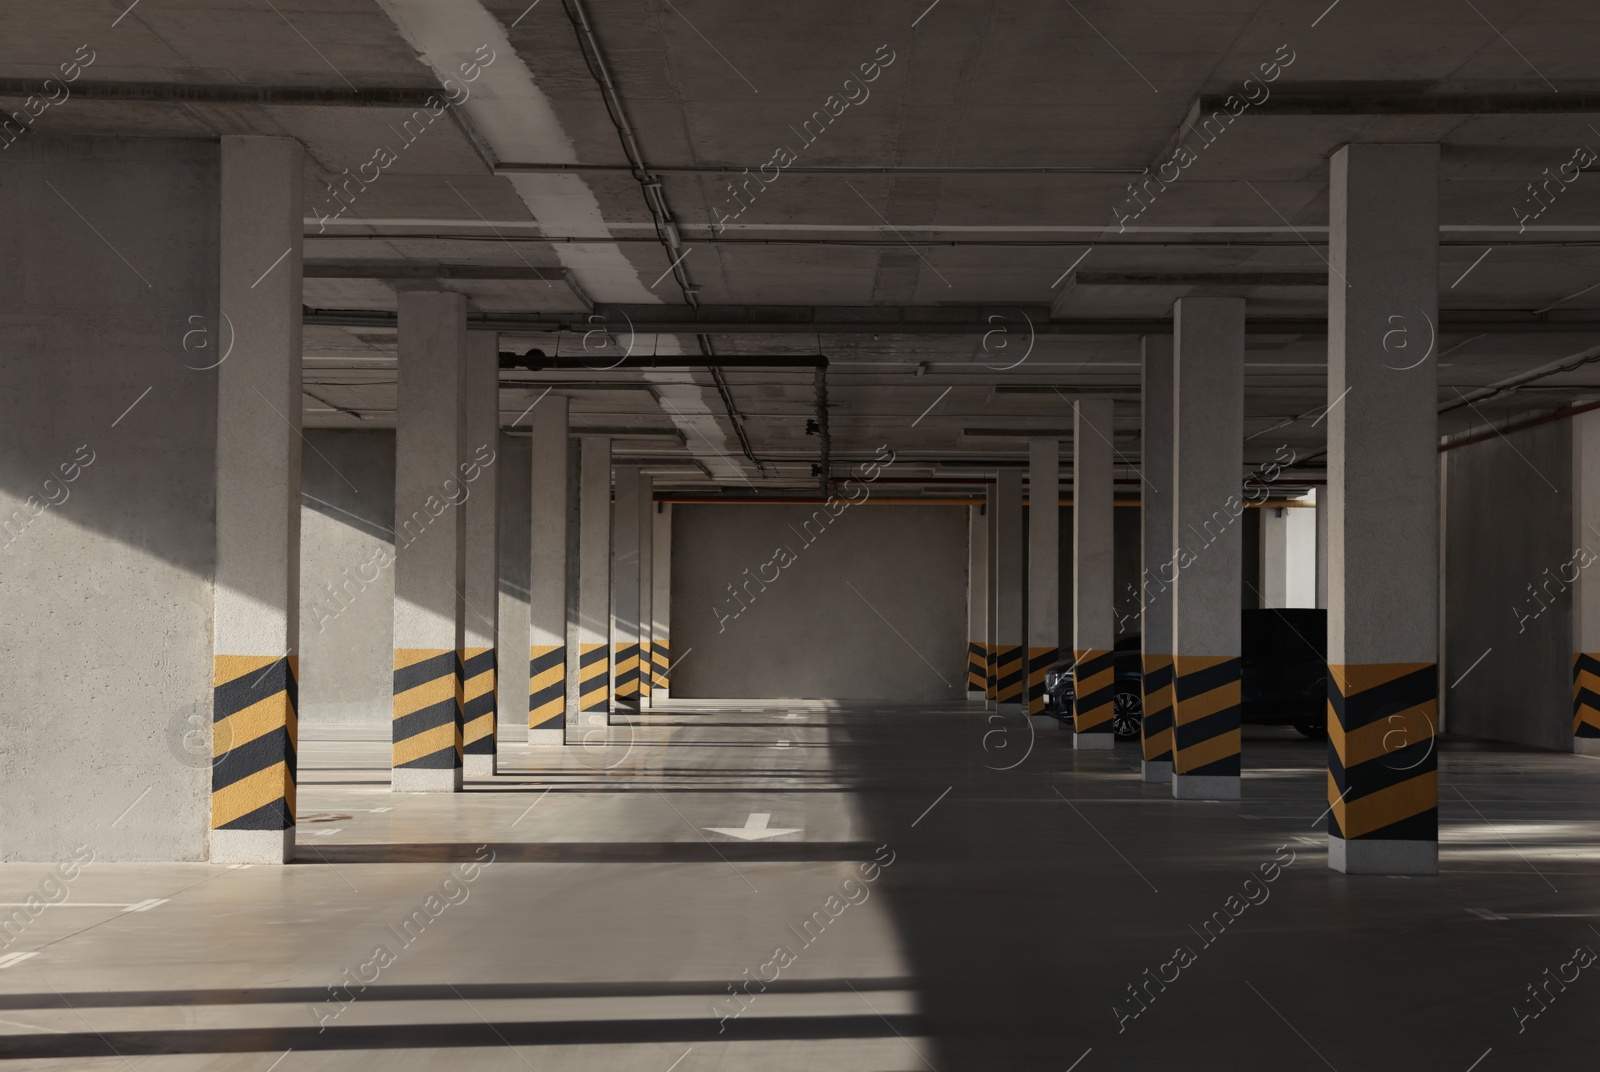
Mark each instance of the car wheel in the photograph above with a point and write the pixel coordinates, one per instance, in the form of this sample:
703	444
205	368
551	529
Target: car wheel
1127	714
1316	731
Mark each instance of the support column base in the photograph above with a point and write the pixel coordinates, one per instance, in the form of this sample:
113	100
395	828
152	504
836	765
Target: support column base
1586	746
1377	857
1205	786
975	697
1156	770
252	846
547	737
1093	741
425	780
480	765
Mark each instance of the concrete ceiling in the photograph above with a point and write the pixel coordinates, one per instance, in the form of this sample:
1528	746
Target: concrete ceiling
1096	90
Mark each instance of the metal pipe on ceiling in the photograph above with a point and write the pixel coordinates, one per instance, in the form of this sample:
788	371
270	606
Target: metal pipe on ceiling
523	168
1570	363
232	93
1453	322
656	201
661	361
932	243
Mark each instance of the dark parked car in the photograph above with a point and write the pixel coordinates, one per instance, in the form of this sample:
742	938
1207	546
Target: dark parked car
1284	668
1127	698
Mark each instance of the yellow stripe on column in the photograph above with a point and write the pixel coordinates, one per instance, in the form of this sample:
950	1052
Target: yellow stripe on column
427	708
594	678
547	686
253	737
478	700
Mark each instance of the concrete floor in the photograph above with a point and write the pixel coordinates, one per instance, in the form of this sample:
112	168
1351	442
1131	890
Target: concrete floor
601	921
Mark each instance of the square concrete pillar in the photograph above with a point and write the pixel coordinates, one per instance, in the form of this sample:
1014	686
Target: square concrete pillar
977	601
1207	470
1383	519
432	455
1011	678
481	531
1586	589
625	578
661	601
588	724
1044	566
991	590
256	612
1158	567
646	586
110	259
514	489
548	572
1093	558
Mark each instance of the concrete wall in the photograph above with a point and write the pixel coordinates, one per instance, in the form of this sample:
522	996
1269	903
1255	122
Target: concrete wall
107	494
807	634
1508	520
347	576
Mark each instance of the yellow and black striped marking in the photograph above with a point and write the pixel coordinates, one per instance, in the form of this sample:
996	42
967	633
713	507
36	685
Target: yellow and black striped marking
977	667
478	701
1585	695
661	659
1205	715
990	677
646	676
1383	780
594	679
1009	677
547	687
427	708
1093	674
254	710
1039	660
627	672
1156	730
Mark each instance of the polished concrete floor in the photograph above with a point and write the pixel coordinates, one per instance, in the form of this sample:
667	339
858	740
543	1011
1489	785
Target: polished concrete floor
924	889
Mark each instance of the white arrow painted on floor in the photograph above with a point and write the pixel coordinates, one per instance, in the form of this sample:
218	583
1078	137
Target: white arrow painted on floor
754	828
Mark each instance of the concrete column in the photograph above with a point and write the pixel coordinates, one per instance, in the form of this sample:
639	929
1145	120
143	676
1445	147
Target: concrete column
1010	664
661	600
977	602
547	581
588	724
1586	589
1044	566
429	530
1321	496
480	594
513	489
991	590
1288	557
625	577
108	492
646	588
256	612
1094	627
1159	568
1383	522
1207	466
